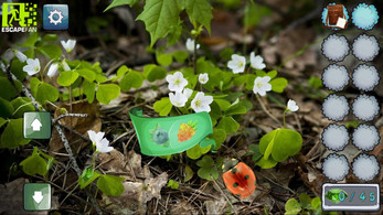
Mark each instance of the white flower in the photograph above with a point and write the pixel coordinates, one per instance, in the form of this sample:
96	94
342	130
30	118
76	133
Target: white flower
177	82
237	63
262	85
22	58
103	146
178	99
32	67
203	78
52	71
95	136
65	66
98	140
201	102
190	43
292	105
256	61
68	45
187	92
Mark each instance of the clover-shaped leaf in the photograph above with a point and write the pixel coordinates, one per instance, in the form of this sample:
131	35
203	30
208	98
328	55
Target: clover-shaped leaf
280	144
208	169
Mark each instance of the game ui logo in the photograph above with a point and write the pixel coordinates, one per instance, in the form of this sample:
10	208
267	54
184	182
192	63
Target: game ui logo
19	17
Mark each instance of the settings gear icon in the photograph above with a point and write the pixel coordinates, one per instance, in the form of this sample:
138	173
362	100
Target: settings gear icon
55	17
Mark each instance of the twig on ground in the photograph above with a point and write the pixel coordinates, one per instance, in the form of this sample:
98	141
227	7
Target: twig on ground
224	195
266	111
74	115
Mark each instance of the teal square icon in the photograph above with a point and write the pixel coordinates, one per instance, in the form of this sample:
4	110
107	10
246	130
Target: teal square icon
37	125
55	17
37	196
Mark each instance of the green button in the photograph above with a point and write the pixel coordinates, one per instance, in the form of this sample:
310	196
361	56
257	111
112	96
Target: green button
37	125
37	197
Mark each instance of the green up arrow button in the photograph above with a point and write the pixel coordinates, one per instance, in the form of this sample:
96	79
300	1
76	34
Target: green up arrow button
37	125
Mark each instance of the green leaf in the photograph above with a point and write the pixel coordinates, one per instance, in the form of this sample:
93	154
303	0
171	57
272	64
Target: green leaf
238	109
187	173
173	184
154	72
278	84
89	91
206	161
159	16
21	105
34	85
199	11
51	51
88	74
180	56
219	135
132	79
6	108
50	37
17	69
163	106
35	164
266	163
67	78
31	40
2	122
254	150
12	136
100	78
315	82
122	71
107	92
316	203
228	124
208	170
254	13
8	90
164	59
110	185
116	3
223	104
272	74
292	207
87	177
250	81
215	113
304	200
197	151
280	144
46	92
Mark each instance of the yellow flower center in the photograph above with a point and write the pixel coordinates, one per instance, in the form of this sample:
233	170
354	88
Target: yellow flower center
198	103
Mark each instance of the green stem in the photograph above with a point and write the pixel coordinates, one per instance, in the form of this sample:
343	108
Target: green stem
284	118
94	159
195	56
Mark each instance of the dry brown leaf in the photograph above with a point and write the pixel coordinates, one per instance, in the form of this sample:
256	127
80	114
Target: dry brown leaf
130	167
136	195
215	207
81	125
183	207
